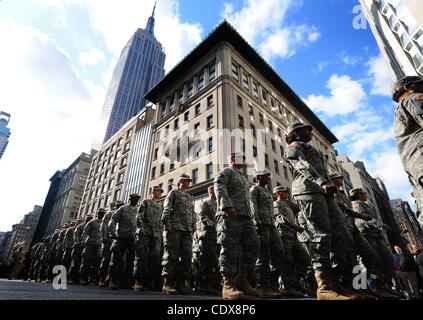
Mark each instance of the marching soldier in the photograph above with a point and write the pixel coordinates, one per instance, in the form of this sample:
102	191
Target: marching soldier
315	196
149	243
78	247
296	258
91	256
236	230
179	220
207	243
122	227
68	246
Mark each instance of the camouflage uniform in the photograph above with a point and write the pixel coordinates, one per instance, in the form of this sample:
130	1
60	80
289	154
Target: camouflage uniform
149	243
107	242
372	231
76	255
36	262
68	246
270	244
45	260
296	257
237	236
325	225
122	227
178	212
207	240
52	252
60	249
33	258
17	262
91	256
408	130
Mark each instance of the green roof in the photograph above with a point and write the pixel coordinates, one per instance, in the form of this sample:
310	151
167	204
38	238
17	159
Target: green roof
225	32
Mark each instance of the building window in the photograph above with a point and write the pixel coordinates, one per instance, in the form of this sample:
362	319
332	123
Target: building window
180	96
167	128
279	133
254	151
282	152
196	128
275	162
120	177
234	71
186	116
200	81
113	169
194	176
113	147
176	124
243	145
212	72
172	166
241	122
129	134
264	95
209	171
253	128
273	145
197	109
120	141
172	104
103	188
255	88
239	101
245	82
127	146
117	195
123	162
162	168
261	118
270	126
266	160
153	173
210	144
285	172
190	89
169	185
250	110
209	121
156	153
210	101
118	153
111	183
163	110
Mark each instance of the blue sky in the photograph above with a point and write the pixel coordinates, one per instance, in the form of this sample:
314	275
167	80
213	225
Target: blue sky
57	58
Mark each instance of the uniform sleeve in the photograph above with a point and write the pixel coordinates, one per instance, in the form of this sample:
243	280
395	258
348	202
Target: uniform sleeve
220	186
140	216
114	221
86	232
254	194
414	106
295	156
167	206
194	217
203	216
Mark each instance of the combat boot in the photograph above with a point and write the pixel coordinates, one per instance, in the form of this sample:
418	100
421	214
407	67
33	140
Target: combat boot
107	281
325	289
242	284
138	286
266	292
183	288
229	291
101	284
83	283
169	287
207	288
383	293
113	285
290	291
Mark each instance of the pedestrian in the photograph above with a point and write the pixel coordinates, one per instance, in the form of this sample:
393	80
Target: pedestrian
406	271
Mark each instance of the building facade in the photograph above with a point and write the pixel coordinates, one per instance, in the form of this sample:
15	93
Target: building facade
4	131
223	97
69	194
40	231
139	68
3	246
398	34
406	219
121	165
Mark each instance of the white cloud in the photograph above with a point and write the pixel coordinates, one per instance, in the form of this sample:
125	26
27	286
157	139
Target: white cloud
380	75
93	56
346	96
52	109
348	59
261	23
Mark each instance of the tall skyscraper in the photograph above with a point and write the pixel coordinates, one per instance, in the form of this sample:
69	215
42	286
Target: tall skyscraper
139	68
398	33
4	131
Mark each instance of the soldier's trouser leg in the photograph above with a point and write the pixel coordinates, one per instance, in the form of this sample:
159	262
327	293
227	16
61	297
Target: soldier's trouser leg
288	275
105	261
366	252
208	258
387	260
154	259
316	213
250	245
277	253
87	258
263	263
67	260
118	248
301	259
378	259
171	254
339	236
129	259
140	258
76	263
186	254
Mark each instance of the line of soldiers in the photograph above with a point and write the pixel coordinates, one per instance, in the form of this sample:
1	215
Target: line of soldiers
262	246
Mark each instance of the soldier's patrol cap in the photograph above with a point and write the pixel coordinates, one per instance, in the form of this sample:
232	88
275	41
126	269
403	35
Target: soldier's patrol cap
357	191
119	202
184	177
280	189
398	86
157	189
335	175
296	126
210	188
261	173
101	210
134	195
